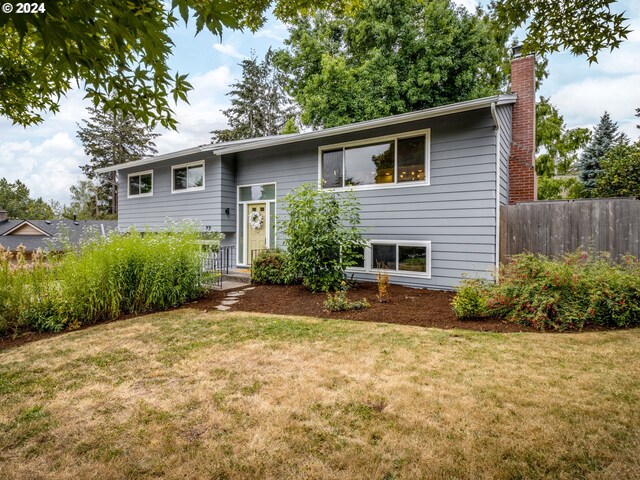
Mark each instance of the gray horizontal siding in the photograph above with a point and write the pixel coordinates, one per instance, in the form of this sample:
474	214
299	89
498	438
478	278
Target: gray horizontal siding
456	212
203	206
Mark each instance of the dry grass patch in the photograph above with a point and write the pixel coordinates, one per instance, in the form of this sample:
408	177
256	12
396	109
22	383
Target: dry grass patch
186	394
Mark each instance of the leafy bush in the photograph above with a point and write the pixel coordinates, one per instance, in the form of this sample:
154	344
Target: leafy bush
322	235
567	293
105	278
270	266
620	176
339	302
470	300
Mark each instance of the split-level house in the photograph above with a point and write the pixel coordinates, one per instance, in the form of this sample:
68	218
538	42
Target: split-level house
430	184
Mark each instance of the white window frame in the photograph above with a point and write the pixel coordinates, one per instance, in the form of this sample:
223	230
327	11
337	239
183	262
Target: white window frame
371	141
270	204
368	256
138	174
200	163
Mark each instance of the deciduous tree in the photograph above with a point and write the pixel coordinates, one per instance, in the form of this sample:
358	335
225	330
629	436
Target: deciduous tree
117	50
620	175
15	199
558	144
390	58
584	27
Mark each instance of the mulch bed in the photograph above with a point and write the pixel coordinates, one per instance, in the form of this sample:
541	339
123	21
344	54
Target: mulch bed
406	306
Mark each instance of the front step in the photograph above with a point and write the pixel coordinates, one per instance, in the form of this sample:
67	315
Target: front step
237	277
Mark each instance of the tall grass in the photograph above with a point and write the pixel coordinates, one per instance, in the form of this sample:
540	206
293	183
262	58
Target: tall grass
101	280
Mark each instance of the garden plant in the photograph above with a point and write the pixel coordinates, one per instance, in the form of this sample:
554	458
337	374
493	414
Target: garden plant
105	277
577	290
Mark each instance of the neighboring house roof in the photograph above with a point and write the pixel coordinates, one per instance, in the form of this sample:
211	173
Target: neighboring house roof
274	140
12	232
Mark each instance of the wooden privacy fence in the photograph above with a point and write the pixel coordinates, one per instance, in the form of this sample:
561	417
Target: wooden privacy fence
560	226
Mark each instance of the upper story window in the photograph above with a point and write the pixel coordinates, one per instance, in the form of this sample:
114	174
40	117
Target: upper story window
187	177
141	184
394	160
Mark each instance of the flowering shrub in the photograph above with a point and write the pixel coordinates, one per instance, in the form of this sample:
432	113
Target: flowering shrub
576	290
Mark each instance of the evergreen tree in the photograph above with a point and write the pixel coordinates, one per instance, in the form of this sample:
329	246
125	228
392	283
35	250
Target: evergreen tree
604	138
259	104
111	139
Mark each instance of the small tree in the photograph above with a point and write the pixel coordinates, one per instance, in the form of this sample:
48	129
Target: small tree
322	235
605	137
620	172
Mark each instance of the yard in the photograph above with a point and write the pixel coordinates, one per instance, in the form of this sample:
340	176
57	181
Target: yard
195	394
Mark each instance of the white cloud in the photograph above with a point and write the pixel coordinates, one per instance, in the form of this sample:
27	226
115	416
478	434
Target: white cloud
583	102
202	114
48	168
228	50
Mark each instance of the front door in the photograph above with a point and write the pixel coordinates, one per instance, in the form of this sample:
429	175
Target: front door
256	229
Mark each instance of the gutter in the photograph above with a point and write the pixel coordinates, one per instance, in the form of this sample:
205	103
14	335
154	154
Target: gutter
496	120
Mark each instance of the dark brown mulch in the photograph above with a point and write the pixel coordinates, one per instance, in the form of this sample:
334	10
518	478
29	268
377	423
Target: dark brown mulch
407	306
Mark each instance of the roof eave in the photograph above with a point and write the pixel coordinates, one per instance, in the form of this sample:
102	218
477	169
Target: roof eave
256	143
377	123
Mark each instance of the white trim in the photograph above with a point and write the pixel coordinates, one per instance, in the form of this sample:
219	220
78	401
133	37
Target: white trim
20	225
426	132
368	256
253	144
269	203
199	163
138	174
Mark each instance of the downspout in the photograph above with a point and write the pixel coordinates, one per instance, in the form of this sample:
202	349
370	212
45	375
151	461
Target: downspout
496	120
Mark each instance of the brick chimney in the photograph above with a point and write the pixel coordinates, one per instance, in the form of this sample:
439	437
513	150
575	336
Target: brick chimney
3	215
523	183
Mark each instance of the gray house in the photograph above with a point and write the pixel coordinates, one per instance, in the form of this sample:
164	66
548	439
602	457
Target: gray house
430	184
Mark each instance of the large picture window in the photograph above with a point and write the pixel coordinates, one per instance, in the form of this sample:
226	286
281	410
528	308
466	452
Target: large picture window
187	177
383	161
141	184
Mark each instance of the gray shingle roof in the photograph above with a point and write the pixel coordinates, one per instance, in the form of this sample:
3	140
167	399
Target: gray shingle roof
55	229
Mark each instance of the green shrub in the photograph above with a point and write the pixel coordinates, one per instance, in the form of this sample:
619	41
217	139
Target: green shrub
561	294
470	300
270	267
322	235
339	302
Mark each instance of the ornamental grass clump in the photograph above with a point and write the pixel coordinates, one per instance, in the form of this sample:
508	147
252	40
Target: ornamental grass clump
102	279
130	273
571	292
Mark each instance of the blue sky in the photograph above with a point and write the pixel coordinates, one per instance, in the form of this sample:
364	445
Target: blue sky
47	157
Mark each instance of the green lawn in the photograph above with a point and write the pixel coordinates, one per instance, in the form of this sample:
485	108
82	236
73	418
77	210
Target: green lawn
187	394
